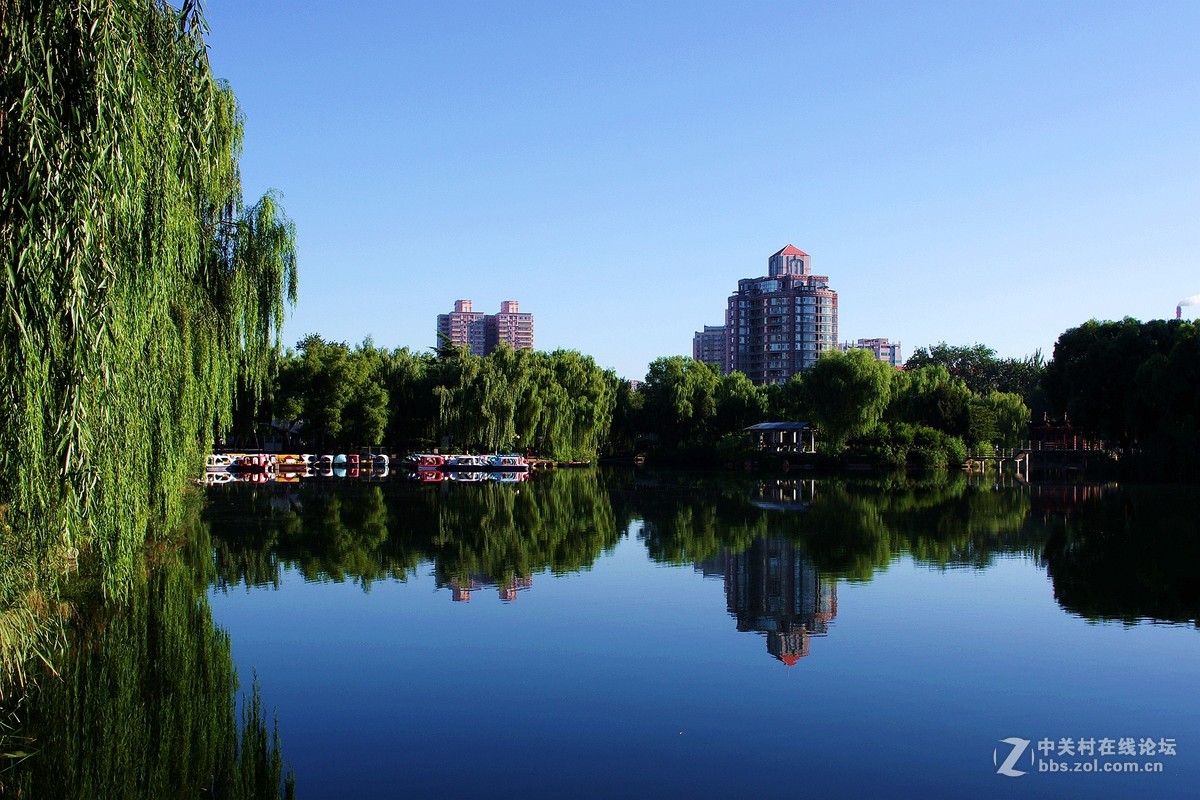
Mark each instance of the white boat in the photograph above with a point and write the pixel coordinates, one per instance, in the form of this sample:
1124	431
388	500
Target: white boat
218	462
508	462
466	462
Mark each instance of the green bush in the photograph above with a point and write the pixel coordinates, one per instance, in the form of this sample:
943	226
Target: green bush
933	449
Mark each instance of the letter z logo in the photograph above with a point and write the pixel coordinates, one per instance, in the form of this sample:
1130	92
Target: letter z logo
1018	749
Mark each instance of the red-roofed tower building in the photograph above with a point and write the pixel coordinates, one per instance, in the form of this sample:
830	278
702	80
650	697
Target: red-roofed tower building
779	324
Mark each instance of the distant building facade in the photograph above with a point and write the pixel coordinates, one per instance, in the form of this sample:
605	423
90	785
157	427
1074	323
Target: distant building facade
708	346
778	325
510	325
885	351
483	333
463	327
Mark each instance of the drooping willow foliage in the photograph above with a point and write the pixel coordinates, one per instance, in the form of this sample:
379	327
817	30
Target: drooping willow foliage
136	286
559	405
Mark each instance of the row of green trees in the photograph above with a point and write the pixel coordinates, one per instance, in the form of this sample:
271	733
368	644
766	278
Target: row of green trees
1130	383
1134	384
978	366
562	405
558	404
923	413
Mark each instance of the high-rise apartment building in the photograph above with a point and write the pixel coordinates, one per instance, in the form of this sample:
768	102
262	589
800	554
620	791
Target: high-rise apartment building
511	326
463	327
778	325
885	351
482	333
708	346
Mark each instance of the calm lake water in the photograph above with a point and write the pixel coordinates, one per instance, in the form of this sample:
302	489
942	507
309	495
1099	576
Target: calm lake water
594	633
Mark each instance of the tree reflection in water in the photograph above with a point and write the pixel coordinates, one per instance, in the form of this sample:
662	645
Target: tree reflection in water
144	704
1128	555
1088	537
490	534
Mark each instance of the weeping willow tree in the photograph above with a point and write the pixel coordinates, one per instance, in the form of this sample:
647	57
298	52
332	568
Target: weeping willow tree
136	285
560	404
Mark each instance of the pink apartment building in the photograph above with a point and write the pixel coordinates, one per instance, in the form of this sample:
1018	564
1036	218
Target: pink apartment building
482	333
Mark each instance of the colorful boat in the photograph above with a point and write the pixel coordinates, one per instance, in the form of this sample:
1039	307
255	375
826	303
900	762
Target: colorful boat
289	467
253	463
466	462
425	461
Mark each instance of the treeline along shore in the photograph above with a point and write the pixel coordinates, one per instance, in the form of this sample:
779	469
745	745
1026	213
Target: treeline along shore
1127	388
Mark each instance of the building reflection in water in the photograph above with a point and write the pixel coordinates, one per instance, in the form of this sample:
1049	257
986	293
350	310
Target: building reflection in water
460	591
773	589
784	495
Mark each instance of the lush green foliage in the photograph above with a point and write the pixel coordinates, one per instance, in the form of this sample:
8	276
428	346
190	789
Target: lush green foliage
137	287
562	406
30	614
1000	418
558	404
896	445
335	390
688	406
925	415
846	394
1134	384
680	399
979	368
930	396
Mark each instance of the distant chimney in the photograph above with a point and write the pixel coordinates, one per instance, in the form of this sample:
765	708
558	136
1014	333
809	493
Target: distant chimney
1187	301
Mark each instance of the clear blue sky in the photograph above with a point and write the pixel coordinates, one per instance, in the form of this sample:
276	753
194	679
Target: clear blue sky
962	171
